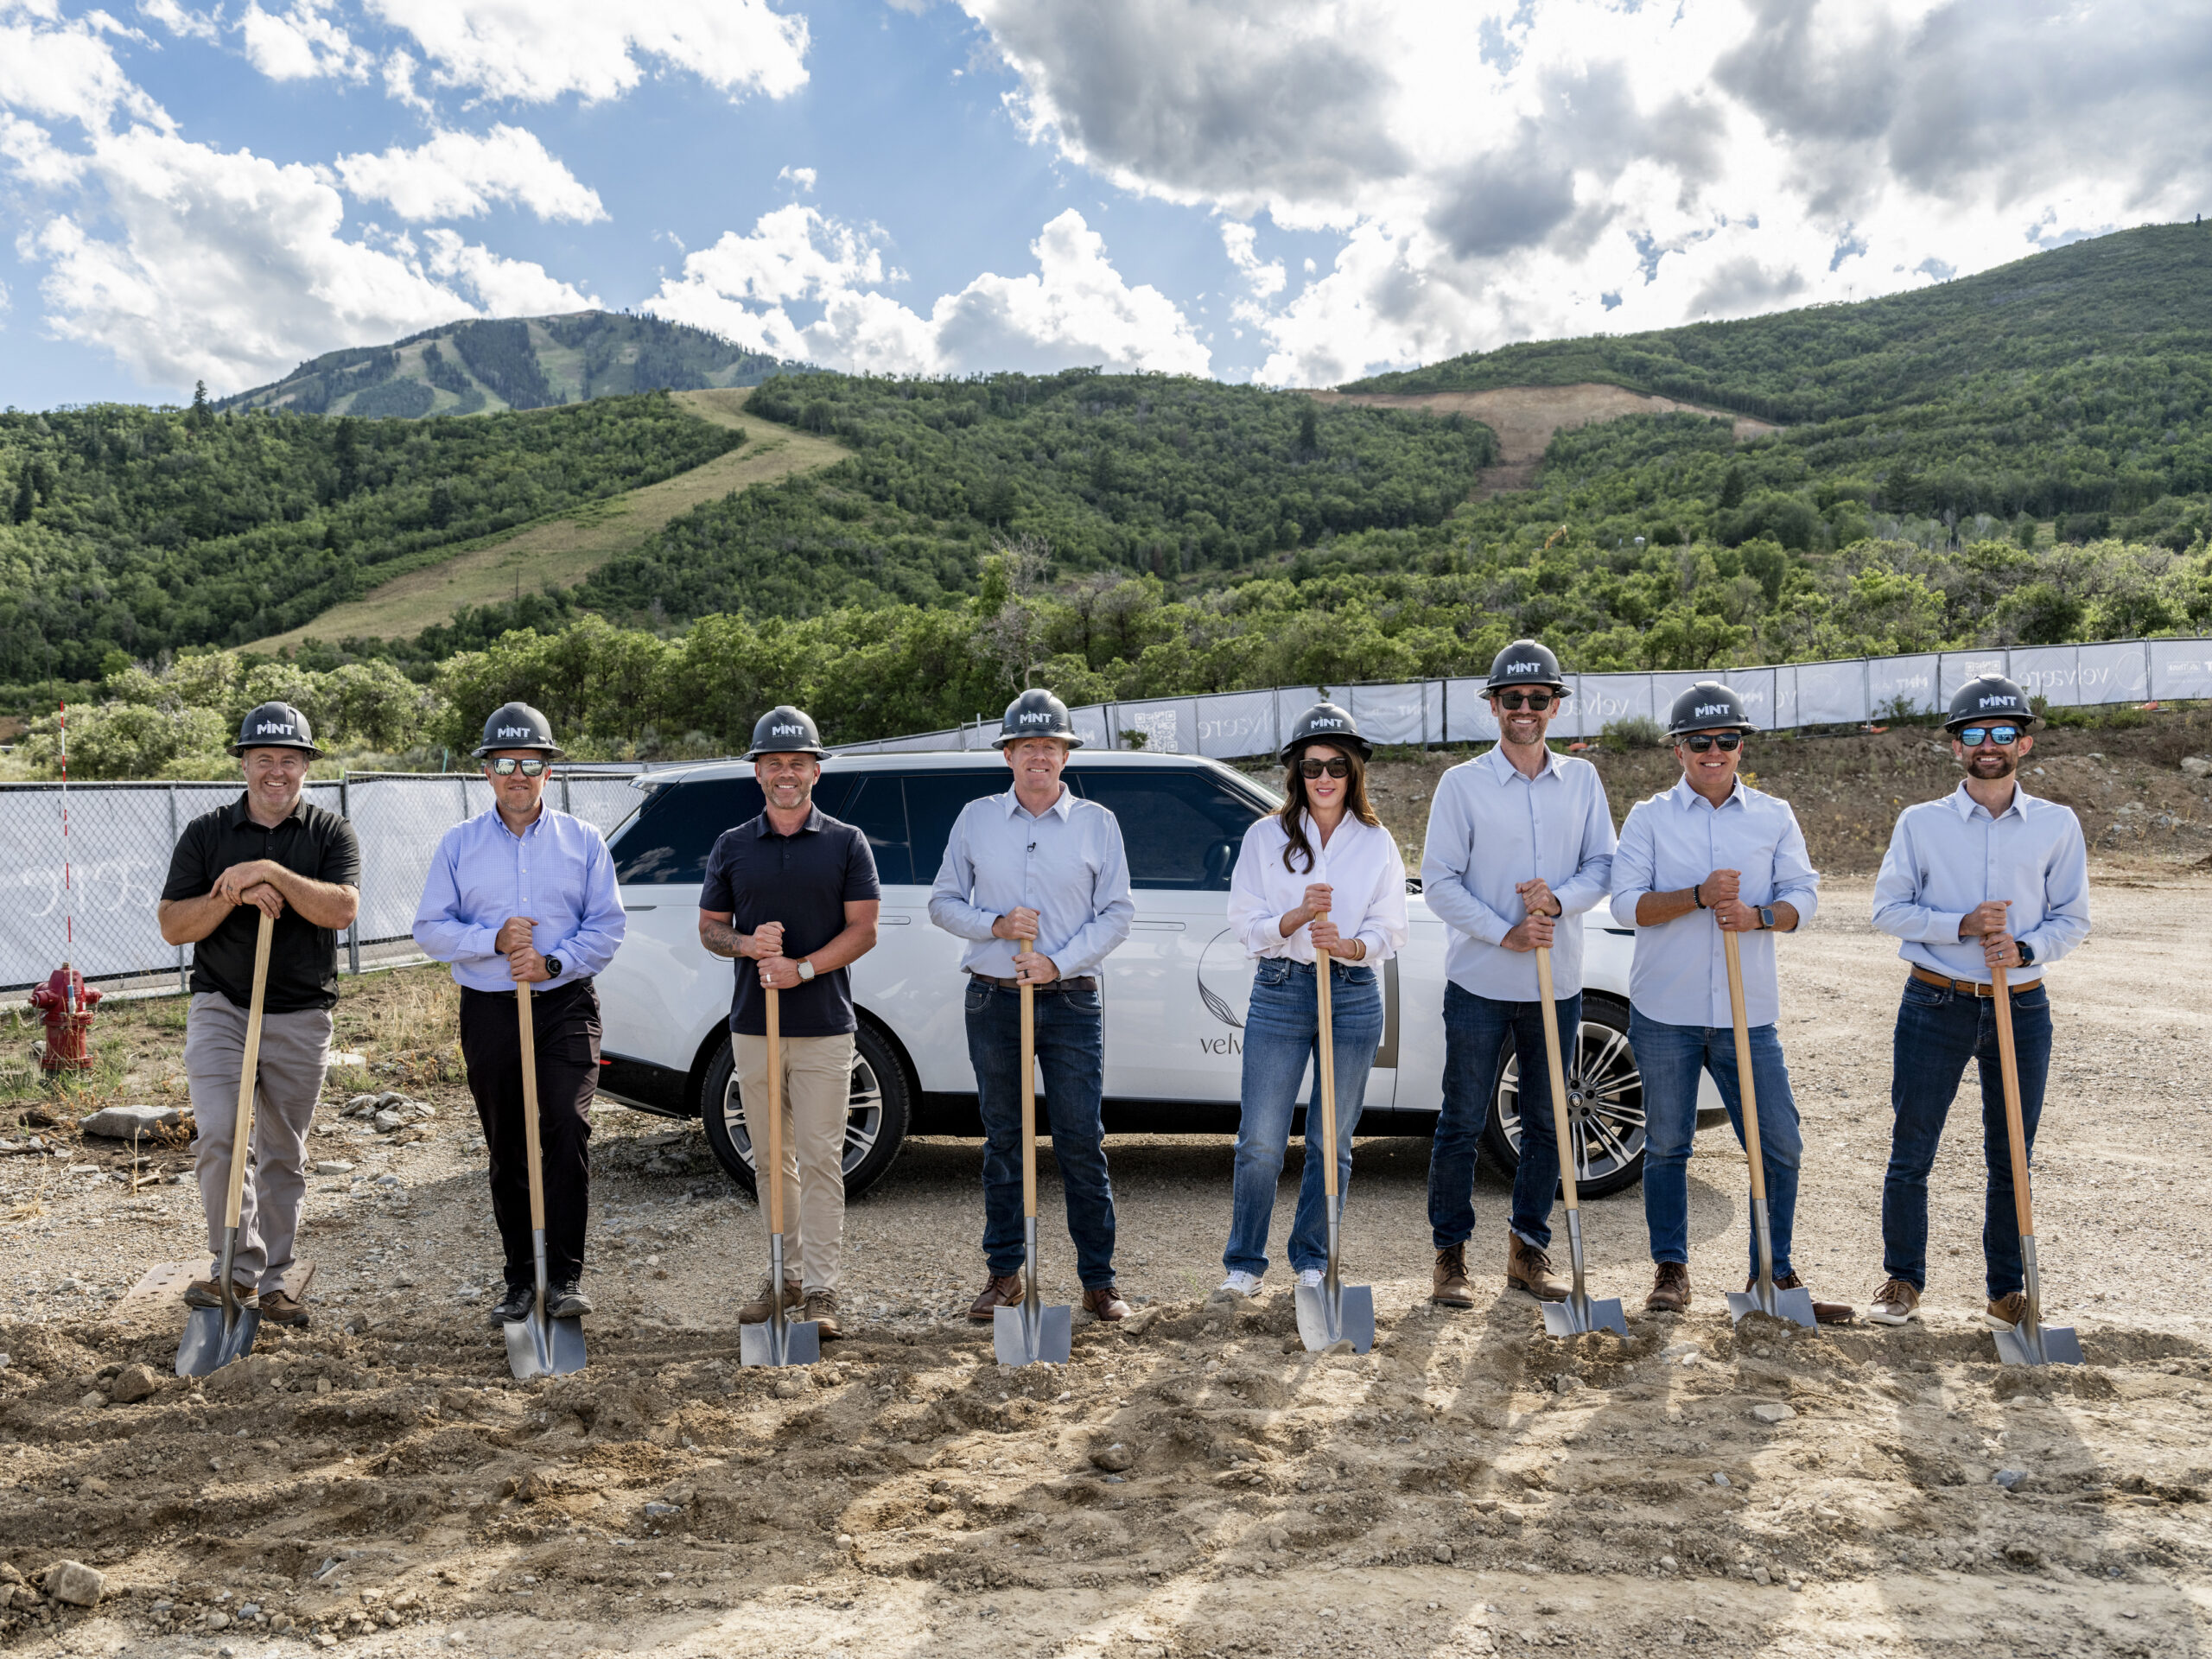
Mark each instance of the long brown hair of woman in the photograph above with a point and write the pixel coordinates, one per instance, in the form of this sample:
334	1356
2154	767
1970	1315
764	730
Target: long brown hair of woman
1293	805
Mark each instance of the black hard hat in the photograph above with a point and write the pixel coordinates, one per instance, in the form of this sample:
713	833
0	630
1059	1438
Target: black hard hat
785	730
1324	723
1705	705
275	726
516	726
1990	697
1524	663
1036	712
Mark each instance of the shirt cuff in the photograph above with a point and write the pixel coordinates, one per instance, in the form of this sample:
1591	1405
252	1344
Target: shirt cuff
1943	927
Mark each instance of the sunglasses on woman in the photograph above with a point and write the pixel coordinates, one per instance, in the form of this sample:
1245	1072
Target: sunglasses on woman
506	765
1974	736
1536	702
1727	742
1338	767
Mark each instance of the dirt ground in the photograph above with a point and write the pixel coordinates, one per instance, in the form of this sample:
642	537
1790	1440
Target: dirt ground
1194	1483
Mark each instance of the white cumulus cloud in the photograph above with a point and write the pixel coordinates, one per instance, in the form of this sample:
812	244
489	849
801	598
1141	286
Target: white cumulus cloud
302	43
460	174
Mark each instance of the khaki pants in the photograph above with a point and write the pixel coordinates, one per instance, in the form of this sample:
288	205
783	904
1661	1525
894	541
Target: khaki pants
817	1089
294	1050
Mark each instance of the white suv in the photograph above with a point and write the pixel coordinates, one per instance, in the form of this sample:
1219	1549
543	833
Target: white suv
1175	993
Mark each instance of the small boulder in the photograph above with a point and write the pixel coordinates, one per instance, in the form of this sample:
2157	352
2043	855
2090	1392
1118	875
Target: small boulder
1442	1552
121	1122
75	1583
333	1167
387	1121
1773	1413
2196	765
1112	1458
361	1106
2008	1478
134	1382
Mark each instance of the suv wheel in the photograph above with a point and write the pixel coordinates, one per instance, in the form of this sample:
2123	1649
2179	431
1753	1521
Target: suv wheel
875	1120
1605	1104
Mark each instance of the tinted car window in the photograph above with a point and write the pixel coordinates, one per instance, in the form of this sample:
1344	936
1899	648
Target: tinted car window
668	840
1182	829
878	810
934	800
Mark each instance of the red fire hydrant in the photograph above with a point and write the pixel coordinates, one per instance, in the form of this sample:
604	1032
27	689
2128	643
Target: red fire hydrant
67	1004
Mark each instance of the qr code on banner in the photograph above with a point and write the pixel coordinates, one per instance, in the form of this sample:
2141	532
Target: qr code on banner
1160	730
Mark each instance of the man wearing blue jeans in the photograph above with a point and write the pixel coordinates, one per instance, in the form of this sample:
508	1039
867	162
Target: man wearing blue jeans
1987	877
1036	881
1708	856
1520	840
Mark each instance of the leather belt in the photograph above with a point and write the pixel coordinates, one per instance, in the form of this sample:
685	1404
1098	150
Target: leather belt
1084	984
1963	987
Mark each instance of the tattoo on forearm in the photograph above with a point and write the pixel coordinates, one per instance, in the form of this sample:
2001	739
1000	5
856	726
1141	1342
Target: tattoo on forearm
721	938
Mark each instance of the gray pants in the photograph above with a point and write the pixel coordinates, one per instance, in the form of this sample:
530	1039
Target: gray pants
294	1050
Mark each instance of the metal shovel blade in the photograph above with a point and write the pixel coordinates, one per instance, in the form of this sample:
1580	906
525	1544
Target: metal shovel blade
798	1342
211	1343
2038	1345
1579	1316
539	1347
1324	1321
1019	1340
1795	1306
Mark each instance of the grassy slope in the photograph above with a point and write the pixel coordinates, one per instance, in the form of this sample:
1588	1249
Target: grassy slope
563	551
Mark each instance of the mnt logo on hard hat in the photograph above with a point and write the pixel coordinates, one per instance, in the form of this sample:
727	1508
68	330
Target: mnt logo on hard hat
275	726
518	726
1705	705
785	730
1037	713
1989	693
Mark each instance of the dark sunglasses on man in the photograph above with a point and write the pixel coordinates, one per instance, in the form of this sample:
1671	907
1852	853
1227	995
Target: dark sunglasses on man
506	765
1727	742
1974	736
1338	767
1535	702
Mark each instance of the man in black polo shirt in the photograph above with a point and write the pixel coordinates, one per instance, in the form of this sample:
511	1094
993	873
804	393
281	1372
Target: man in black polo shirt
794	892
269	851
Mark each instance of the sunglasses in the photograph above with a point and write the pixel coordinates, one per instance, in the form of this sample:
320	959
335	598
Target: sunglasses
1974	736
1339	768
506	765
1537	702
1727	742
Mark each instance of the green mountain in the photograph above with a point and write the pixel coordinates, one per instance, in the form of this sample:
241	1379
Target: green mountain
469	368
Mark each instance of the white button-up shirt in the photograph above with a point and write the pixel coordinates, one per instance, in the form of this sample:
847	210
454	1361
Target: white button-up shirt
1946	856
1490	827
1675	841
1361	864
1066	863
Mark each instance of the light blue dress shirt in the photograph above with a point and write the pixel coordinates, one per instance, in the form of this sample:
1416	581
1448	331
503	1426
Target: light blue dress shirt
1067	864
1675	841
1946	856
557	871
1490	829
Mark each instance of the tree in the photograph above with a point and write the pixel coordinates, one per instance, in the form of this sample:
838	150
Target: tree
1012	631
1732	489
200	414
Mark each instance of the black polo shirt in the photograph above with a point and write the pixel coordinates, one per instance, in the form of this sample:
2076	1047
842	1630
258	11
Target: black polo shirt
303	958
804	881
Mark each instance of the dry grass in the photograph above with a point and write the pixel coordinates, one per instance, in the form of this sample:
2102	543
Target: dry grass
561	552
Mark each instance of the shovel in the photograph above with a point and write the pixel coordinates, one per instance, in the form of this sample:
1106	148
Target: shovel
1762	1297
1331	1312
779	1339
1579	1314
539	1346
2031	1342
213	1336
1032	1334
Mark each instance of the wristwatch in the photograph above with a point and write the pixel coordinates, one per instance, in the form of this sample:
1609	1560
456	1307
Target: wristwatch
553	967
2027	953
1766	916
805	970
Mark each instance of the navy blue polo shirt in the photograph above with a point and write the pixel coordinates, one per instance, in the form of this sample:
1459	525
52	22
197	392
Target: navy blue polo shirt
803	880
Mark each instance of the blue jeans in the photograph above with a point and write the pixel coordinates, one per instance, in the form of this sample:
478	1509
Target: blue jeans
1670	1057
1938	1032
1281	1038
1071	1055
1474	1030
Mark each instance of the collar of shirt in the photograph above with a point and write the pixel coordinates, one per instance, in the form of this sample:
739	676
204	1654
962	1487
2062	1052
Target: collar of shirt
813	823
1059	808
241	812
1966	807
1687	798
1501	763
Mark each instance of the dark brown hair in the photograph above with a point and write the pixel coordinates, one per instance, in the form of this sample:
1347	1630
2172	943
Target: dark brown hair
1356	802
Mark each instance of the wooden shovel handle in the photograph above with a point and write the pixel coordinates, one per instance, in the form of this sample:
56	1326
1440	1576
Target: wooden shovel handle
1550	1010
770	1169
527	1024
1028	1099
1326	1067
242	1122
1732	948
2008	1070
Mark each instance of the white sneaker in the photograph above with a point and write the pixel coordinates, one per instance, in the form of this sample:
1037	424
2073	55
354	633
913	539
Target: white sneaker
1309	1278
1238	1286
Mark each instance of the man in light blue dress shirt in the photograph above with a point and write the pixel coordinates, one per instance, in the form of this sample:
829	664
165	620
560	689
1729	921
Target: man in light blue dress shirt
523	894
1036	881
1708	855
1989	876
1520	841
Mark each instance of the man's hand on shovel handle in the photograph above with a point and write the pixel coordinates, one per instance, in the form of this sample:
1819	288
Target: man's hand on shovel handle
2000	949
779	973
1034	968
1534	934
1984	919
763	943
1537	899
263	898
1019	924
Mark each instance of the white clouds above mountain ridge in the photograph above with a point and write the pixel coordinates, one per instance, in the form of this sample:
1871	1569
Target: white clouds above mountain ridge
461	174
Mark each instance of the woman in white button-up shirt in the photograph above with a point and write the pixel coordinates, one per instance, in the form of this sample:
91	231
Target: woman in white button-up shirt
1319	878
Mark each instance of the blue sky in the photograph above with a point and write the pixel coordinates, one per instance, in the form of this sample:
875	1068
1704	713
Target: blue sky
1299	191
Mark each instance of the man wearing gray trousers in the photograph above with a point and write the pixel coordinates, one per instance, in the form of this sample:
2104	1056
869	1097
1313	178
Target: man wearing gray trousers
268	852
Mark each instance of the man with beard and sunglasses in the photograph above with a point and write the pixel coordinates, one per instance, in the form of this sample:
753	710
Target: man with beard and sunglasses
1520	840
1987	877
1710	856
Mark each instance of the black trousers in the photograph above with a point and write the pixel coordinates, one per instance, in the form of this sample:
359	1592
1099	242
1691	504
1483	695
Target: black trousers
566	1022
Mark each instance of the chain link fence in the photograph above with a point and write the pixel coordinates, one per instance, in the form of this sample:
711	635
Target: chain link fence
100	916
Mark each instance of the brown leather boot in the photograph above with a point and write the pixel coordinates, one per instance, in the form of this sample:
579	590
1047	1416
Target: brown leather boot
1528	1268
278	1307
1106	1303
1670	1289
756	1311
1448	1278
995	1294
1823	1313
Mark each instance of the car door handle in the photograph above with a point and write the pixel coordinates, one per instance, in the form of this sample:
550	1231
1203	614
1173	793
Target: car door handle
1159	927
632	910
894	921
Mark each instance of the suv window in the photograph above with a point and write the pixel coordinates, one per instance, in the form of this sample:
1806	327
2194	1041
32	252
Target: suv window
1182	829
878	810
933	801
667	842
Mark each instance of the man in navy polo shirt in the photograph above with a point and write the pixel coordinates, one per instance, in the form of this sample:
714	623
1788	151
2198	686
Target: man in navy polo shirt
794	892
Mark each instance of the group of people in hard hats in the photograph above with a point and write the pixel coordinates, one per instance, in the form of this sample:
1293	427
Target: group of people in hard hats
1035	882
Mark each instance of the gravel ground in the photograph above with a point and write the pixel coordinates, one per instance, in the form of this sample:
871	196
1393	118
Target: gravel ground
1192	1484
